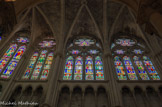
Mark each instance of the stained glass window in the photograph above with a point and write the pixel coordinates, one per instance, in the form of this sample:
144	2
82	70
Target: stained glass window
68	68
75	52
119	68
84	42
128	47
129	68
39	65
120	51
78	68
13	63
6	57
30	66
137	51
93	51
86	65
89	68
142	72
48	44
112	45
154	75
125	42
47	67
22	40
99	68
0	38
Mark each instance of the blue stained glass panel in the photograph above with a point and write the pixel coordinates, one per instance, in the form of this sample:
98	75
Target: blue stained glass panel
89	68
154	75
30	66
68	68
6	57
78	68
47	67
129	68
99	68
39	65
12	65
141	70
119	68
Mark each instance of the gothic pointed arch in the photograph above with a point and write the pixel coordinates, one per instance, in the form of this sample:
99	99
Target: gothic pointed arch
131	58
84	23
83	59
40	62
13	53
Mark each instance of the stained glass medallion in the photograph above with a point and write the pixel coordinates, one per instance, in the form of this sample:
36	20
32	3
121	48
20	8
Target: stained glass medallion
47	44
137	51
93	51
75	52
125	42
22	40
84	42
119	51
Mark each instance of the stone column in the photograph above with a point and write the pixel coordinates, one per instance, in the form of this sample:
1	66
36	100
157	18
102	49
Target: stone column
53	81
114	91
156	51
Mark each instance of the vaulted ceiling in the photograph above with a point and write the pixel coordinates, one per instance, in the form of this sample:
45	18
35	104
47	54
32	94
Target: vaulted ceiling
67	18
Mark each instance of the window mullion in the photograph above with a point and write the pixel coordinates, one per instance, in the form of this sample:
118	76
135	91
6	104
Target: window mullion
124	66
43	66
34	65
94	66
83	68
135	68
74	59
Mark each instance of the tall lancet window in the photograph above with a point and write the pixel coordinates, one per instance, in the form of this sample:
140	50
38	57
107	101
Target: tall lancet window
131	60
83	60
12	56
40	62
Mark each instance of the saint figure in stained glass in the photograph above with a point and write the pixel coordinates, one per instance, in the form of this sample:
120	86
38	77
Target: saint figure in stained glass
89	68
68	68
129	68
151	69
99	68
78	68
